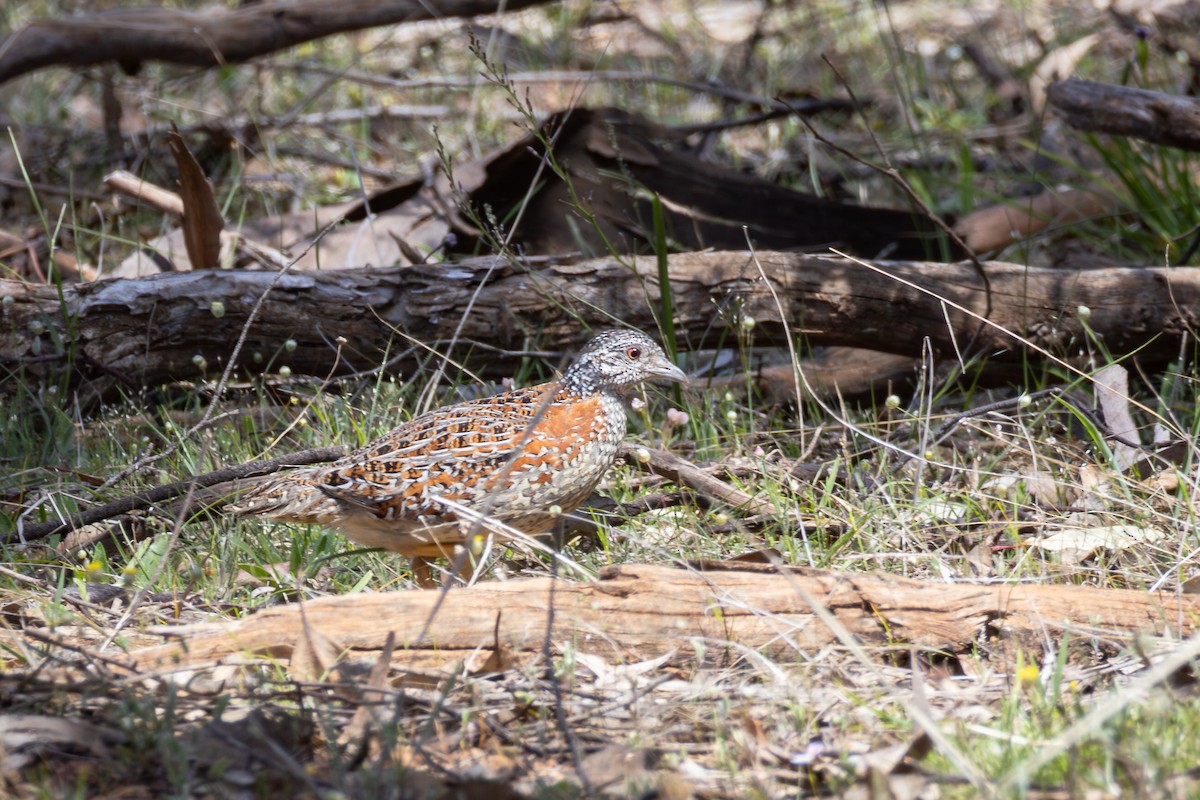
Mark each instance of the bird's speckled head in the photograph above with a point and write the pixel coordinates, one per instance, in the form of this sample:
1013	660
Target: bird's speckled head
617	360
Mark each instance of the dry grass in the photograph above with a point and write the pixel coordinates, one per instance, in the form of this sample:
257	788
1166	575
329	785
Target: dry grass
986	501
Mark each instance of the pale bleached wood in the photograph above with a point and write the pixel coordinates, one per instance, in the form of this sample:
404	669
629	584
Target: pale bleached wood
638	611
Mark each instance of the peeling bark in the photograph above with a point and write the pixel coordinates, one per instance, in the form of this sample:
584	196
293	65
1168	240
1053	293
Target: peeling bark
145	332
639	611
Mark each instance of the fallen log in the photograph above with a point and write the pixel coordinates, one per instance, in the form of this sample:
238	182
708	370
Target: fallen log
639	611
104	336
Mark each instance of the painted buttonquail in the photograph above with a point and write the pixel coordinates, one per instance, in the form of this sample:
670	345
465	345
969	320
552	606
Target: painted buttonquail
522	458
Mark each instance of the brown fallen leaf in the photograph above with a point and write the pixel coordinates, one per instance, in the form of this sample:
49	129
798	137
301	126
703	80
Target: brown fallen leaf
202	220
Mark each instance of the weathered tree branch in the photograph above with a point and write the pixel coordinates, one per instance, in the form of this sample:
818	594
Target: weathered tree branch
130	36
638	611
149	331
1153	116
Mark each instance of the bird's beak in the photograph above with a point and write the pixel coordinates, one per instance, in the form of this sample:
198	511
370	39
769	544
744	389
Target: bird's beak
664	370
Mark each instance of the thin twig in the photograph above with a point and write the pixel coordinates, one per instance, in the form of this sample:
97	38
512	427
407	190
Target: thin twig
143	500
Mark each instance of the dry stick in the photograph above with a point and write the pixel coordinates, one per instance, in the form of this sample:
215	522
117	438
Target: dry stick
682	472
158	494
565	76
131	36
142	190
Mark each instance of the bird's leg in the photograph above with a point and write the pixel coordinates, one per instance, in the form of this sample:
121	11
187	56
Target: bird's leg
463	567
558	534
422	572
470	556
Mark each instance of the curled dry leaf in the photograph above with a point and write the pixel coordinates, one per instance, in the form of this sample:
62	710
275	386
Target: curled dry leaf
1077	544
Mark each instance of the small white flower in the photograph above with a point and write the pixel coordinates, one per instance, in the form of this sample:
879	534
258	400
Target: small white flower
642	455
748	322
677	417
892	402
290	345
1083	312
217	308
200	361
1024	400
285	371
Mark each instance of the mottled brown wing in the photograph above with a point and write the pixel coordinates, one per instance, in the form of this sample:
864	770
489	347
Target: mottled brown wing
451	453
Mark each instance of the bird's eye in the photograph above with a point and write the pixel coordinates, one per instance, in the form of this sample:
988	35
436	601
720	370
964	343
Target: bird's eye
634	353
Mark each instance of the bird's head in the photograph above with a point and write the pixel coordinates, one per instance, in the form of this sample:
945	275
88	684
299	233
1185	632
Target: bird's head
619	360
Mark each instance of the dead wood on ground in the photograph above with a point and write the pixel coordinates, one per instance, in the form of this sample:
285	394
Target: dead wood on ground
129	334
619	162
639	611
611	167
131	36
1155	117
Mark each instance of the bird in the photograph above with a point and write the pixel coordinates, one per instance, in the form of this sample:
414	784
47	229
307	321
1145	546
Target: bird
519	460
